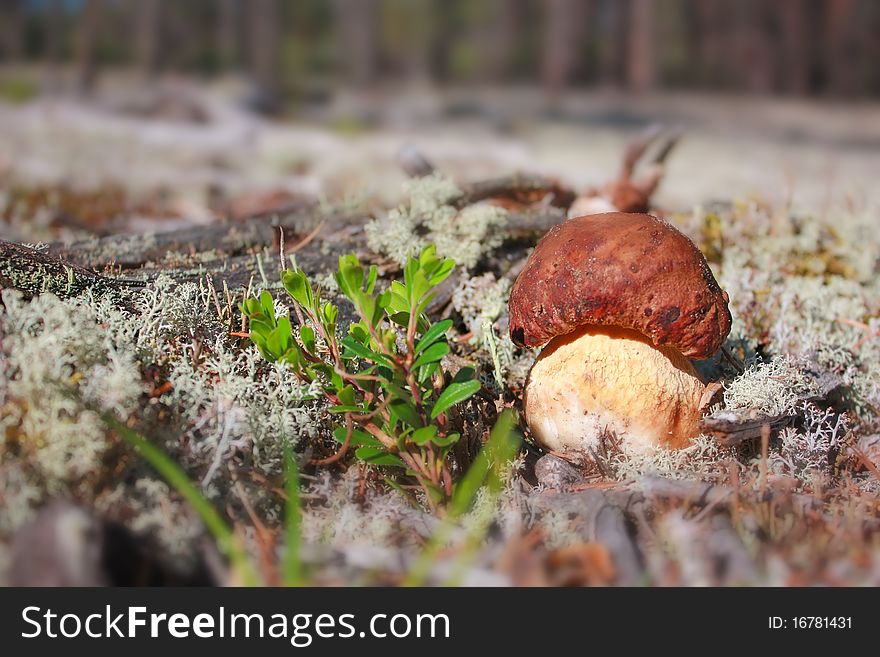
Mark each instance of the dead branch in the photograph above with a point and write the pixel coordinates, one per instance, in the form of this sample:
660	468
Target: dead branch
33	272
729	430
520	188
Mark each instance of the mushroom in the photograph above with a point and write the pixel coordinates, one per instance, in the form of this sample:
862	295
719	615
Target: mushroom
622	302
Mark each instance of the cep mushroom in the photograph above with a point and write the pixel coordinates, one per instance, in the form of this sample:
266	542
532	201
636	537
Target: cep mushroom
622	302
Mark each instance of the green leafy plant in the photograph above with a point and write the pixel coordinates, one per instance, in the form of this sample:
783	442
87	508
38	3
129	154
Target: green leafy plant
384	376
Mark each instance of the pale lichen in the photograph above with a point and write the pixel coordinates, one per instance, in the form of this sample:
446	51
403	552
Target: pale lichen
59	358
428	217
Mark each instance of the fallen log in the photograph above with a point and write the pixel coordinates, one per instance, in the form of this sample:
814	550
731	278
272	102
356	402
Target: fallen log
33	272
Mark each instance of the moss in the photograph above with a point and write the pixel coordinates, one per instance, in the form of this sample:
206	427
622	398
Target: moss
464	235
813	448
700	460
56	354
772	388
62	358
149	507
480	300
235	401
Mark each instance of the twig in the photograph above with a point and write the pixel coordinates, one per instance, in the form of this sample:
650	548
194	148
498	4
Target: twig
308	238
733	360
866	461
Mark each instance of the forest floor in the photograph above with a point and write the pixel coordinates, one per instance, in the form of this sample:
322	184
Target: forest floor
170	202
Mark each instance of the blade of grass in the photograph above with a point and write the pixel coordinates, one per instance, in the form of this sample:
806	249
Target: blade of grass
292	566
178	479
487	469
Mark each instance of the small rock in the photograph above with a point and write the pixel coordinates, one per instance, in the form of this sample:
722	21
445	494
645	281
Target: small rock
554	472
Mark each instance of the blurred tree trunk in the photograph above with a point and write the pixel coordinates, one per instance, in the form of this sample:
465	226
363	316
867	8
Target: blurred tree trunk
55	25
498	39
610	54
795	59
13	27
752	48
562	31
264	51
357	26
88	34
713	65
147	35
228	35
640	68
841	47
420	42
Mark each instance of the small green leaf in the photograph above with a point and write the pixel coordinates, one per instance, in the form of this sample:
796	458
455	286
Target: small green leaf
371	279
377	456
406	412
298	287
261	327
433	334
465	374
358	437
401	318
252	307
346	409
278	341
399	301
455	393
267	304
359	332
350	276
426	372
442	272
445	441
424	435
307	336
330	313
432	354
382	303
347	395
366	353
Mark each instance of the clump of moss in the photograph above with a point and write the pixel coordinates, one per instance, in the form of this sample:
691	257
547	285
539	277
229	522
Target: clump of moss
480	300
382	519
772	388
64	362
149	507
234	400
699	460
430	218
814	447
59	357
802	288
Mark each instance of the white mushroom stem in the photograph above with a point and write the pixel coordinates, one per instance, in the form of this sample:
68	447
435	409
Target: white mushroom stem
608	379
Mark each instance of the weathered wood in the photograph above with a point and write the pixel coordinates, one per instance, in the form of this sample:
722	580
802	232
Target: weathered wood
33	272
229	239
521	188
730	430
225	237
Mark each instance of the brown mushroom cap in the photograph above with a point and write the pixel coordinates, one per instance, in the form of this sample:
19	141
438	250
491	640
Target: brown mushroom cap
617	269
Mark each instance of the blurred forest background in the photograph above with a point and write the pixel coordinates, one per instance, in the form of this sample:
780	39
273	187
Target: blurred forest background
303	49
